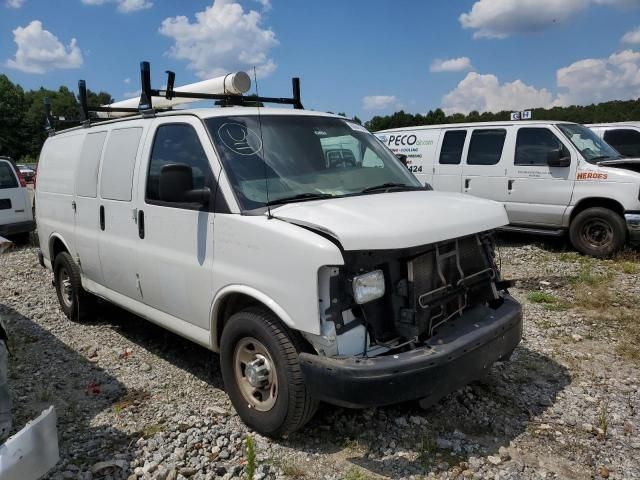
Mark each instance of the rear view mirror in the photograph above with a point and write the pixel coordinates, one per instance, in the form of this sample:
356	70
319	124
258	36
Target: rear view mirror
176	186
402	158
558	158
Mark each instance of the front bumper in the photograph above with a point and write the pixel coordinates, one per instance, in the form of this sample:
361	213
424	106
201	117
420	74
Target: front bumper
462	350
633	226
15	228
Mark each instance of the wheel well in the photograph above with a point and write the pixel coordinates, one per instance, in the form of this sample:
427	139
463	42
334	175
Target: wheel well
597	202
57	247
233	303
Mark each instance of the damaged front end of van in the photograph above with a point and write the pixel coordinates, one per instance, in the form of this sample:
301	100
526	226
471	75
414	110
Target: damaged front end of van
414	322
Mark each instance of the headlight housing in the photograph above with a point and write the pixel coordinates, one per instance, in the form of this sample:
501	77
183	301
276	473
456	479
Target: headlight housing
368	287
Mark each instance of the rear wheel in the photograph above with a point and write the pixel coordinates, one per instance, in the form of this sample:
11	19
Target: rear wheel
598	232
75	302
261	373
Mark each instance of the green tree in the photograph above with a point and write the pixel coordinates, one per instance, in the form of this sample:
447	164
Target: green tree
11	118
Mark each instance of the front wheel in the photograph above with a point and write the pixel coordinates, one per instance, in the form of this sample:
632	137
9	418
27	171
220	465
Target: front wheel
261	373
598	232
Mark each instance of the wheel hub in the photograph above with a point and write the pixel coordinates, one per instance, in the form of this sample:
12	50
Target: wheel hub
258	371
66	289
597	233
255	374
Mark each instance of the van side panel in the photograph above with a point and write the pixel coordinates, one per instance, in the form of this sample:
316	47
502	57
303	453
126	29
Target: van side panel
55	190
87	228
418	145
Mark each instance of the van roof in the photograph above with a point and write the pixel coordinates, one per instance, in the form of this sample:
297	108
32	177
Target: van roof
505	123
210	112
614	124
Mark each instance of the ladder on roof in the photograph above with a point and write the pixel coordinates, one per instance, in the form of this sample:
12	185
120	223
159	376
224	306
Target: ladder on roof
145	103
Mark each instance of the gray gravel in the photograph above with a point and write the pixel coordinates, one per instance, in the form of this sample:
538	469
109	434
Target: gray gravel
135	401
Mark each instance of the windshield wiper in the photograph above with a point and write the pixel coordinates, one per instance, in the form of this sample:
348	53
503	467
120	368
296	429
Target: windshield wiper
391	185
300	197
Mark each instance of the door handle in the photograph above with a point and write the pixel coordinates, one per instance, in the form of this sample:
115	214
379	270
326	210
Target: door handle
140	223
467	181
510	185
102	217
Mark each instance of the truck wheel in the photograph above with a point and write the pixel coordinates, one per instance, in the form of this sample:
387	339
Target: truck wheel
598	232
76	303
261	373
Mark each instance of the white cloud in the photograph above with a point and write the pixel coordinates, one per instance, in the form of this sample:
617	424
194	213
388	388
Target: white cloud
600	79
502	18
451	65
266	4
124	6
40	51
223	38
14	3
486	93
378	102
133	94
586	81
632	36
127	80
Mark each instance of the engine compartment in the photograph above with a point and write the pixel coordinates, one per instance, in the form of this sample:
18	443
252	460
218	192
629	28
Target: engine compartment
425	287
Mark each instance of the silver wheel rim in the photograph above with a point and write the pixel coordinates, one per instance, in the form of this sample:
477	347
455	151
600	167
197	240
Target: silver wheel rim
255	374
66	290
597	233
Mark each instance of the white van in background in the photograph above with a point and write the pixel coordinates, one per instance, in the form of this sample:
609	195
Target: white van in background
16	215
623	136
552	177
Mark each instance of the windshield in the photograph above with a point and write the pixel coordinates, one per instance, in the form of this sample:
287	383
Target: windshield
277	158
592	147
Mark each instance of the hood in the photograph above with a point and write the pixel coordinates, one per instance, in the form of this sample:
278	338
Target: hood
632	164
396	219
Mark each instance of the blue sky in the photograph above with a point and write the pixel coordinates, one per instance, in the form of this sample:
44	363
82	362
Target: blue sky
361	57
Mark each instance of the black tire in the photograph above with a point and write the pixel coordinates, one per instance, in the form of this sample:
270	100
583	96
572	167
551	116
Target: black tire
76	303
293	406
598	232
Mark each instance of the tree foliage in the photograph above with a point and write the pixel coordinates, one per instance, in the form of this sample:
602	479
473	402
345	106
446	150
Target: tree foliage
615	111
22	115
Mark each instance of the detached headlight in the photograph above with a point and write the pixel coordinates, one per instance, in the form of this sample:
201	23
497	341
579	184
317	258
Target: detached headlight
368	287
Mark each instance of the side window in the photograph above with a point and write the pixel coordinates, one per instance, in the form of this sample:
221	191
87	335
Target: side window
7	176
87	170
534	144
118	162
485	147
625	140
177	144
452	145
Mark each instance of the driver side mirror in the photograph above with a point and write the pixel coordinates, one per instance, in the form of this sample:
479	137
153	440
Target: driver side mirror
557	158
402	158
176	186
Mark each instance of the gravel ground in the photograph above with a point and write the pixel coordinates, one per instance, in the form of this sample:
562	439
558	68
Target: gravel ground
135	401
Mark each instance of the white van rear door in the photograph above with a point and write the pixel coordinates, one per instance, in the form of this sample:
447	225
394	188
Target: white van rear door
13	201
418	145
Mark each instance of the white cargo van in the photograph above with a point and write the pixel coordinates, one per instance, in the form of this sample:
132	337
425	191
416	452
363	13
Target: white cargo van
623	136
314	278
16	216
552	177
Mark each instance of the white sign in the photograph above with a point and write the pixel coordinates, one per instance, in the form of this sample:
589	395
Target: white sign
524	115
